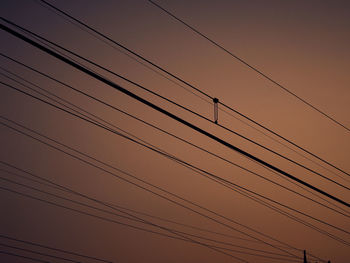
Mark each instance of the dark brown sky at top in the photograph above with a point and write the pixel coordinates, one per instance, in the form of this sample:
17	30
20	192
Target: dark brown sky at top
304	45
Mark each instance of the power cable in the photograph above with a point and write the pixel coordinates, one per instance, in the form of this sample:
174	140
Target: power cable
185	163
25	257
102	36
52	248
146	123
174	230
130	94
108	123
157	194
248	65
39	253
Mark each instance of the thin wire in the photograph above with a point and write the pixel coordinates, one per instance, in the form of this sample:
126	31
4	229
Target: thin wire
110	83
102	36
186	163
153	126
178	119
114	221
52	248
66	153
133	219
43	182
39	253
108	123
21	256
159	195
248	65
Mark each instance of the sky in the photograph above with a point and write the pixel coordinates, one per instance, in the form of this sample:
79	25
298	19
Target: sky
302	45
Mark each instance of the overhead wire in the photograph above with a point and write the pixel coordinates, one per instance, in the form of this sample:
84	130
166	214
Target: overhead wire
23	257
148	184
146	123
103	79
86	28
174	230
114	126
159	195
186	163
43	182
38	253
247	64
188	124
53	248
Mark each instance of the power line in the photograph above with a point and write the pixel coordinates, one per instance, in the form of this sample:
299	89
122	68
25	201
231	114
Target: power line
52	248
34	175
130	94
314	228
133	177
186	164
157	194
43	182
25	257
247	64
151	125
39	253
108	123
133	219
112	220
162	97
204	173
100	35
53	185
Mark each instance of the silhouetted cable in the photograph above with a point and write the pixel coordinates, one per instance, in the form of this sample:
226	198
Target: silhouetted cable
52	248
138	179
39	253
25	171
101	78
166	99
153	126
174	230
64	189
307	225
130	94
157	194
100	36
139	228
185	163
53	185
277	210
89	121
248	65
111	220
43	182
114	126
25	257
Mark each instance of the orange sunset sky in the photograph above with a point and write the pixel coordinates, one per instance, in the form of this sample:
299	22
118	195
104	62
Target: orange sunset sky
302	45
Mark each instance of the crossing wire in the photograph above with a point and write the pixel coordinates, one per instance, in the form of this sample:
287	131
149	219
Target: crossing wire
140	221
135	178
178	160
188	124
248	65
159	195
205	173
52	248
164	98
150	125
114	126
83	26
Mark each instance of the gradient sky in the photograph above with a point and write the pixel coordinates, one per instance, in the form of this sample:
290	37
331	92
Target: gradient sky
304	45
